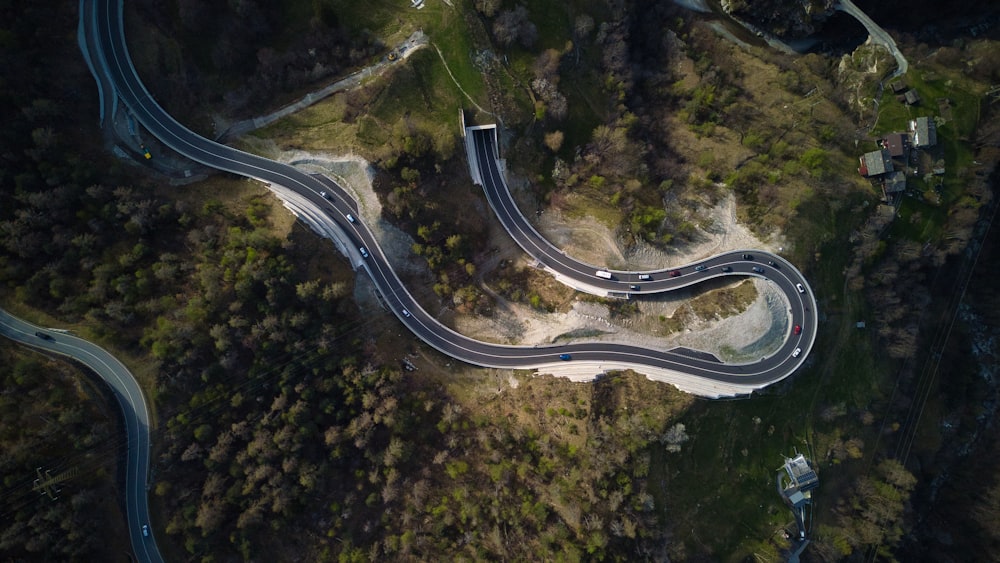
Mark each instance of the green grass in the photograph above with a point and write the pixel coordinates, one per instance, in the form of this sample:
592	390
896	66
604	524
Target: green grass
711	476
393	20
921	220
581	206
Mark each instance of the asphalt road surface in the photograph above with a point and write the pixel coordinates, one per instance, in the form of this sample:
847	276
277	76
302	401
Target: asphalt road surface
104	19
130	398
115	61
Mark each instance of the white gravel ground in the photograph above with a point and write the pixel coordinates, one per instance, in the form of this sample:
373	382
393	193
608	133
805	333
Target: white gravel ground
755	333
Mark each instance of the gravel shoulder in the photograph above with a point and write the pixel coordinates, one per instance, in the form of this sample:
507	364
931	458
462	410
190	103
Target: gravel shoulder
752	334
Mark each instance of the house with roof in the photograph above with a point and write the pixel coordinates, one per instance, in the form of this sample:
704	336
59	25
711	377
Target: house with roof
801	473
923	131
895	143
797	489
875	163
894	183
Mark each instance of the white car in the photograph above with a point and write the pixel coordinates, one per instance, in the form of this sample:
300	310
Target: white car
406	313
350	217
796	353
364	252
799	287
145	530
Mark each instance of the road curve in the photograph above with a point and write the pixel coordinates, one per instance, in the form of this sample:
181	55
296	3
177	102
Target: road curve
877	35
737	379
133	404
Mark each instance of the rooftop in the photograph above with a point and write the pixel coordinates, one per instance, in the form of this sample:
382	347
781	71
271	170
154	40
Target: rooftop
895	182
895	143
876	163
924	132
801	473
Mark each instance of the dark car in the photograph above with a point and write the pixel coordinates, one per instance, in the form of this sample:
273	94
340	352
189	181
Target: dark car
700	268
565	357
43	336
797	329
675	273
748	256
772	263
727	269
758	269
634	287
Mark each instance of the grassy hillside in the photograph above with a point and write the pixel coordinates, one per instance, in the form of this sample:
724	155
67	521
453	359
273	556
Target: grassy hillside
297	421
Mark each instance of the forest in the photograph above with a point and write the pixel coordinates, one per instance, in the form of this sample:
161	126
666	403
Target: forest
290	429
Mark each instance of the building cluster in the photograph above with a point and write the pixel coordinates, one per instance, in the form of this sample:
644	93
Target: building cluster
797	489
897	155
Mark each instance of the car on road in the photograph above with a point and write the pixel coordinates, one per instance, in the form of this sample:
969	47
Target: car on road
406	313
364	252
772	264
799	287
43	336
748	256
675	273
758	269
727	269
324	195
145	530
796	353
634	287
700	268
645	277
797	329
565	357
350	218
145	152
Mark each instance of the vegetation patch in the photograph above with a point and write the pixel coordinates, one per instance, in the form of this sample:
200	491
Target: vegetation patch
524	284
57	430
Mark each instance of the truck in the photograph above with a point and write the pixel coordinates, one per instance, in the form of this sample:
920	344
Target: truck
603	274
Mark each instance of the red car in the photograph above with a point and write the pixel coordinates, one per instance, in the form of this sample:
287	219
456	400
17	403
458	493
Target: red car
797	329
675	273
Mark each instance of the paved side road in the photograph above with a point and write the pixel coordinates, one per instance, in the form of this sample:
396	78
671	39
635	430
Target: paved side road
135	413
877	34
702	375
400	53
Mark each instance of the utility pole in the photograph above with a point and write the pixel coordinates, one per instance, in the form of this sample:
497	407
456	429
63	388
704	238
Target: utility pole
46	484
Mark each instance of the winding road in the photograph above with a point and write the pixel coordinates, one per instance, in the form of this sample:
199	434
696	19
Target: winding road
696	372
134	412
733	378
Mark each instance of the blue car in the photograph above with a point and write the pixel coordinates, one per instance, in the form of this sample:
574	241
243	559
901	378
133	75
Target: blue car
565	357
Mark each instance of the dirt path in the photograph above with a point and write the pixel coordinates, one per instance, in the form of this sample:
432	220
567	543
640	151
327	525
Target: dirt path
400	53
754	333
